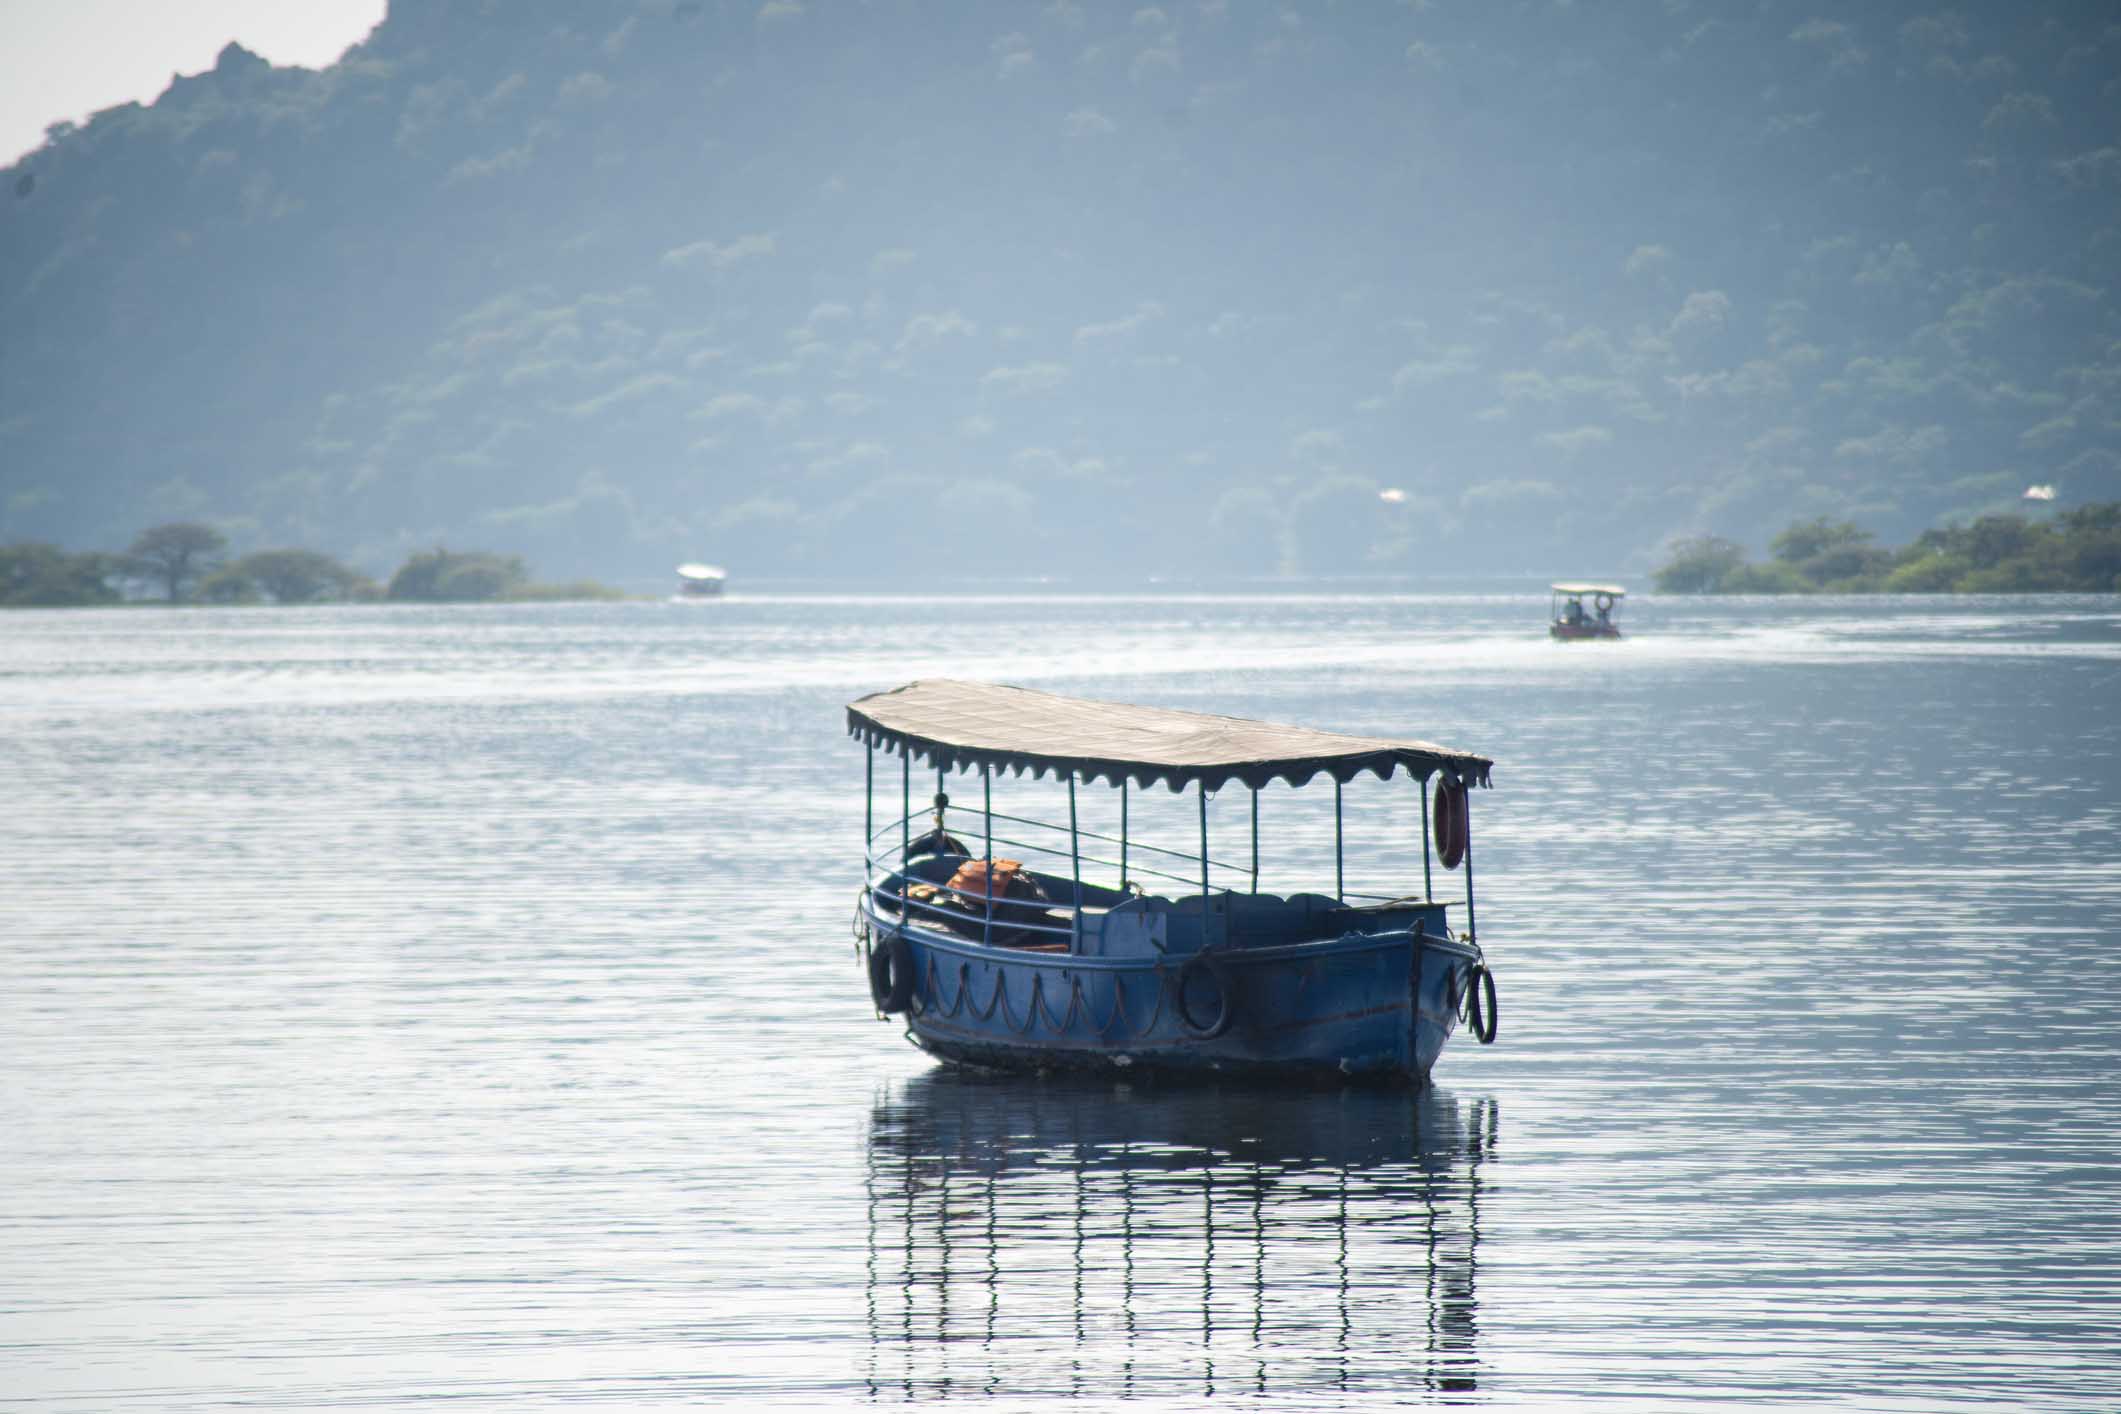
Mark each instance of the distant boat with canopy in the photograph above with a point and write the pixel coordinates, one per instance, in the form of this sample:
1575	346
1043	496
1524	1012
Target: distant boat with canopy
992	962
1583	610
698	581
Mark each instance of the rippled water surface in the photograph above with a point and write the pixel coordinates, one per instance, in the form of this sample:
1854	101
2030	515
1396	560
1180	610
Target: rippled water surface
402	1005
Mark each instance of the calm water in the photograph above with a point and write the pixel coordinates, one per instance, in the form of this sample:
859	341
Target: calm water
408	1005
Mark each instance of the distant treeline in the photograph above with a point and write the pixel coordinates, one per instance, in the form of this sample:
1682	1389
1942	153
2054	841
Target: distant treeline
186	563
2077	552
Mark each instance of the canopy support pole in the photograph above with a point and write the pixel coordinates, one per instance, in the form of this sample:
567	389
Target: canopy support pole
1340	888
905	801
1472	934
868	806
1204	860
1122	834
986	780
1428	890
1075	871
1255	841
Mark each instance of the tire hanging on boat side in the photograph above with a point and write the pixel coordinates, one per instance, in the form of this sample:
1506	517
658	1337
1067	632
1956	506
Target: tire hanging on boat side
1480	1004
1452	822
891	974
1226	999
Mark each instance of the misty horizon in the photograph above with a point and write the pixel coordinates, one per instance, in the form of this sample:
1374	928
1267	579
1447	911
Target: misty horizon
1073	294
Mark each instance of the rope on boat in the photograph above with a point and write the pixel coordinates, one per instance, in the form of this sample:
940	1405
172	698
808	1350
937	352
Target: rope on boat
1163	988
931	998
923	994
929	1001
1469	994
964	984
861	927
1121	1012
1119	1005
934	990
1001	999
1075	995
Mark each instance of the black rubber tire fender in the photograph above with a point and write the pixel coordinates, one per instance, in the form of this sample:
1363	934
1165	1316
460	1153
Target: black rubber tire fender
891	974
1225	1013
1480	1004
939	844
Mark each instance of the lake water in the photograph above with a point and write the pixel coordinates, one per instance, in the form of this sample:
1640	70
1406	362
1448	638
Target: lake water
401	1005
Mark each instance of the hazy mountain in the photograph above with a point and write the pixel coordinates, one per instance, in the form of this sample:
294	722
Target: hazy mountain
902	291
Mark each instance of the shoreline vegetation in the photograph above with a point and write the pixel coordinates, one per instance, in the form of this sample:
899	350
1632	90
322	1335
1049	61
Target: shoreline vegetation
184	562
2076	552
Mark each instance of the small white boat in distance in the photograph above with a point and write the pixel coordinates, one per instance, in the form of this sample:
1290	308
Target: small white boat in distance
697	581
1568	618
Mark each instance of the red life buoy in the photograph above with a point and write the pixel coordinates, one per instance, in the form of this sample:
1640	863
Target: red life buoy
1452	822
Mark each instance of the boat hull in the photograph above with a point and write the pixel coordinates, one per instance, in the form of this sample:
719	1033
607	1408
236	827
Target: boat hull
1568	631
1376	1006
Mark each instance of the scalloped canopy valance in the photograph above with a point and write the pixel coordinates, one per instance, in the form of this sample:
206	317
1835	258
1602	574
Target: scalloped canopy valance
967	725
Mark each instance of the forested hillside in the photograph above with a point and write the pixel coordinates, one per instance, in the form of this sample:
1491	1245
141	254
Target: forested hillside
905	292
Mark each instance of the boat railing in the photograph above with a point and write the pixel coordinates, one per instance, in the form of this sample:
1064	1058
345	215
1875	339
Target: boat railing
907	905
886	877
885	860
897	834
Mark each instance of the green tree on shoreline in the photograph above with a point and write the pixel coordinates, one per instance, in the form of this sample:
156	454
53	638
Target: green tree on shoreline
2079	551
34	575
288	577
183	559
1699	564
440	576
176	554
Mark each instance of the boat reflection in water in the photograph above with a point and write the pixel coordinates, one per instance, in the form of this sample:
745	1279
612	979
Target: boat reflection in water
1070	1238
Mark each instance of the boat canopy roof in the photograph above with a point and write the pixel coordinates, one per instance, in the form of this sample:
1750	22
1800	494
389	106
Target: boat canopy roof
1613	589
700	571
970	724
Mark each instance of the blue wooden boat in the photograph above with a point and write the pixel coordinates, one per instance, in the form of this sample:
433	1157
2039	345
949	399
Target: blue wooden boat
994	963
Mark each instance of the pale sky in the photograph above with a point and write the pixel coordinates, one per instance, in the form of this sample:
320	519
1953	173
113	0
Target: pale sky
65	59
